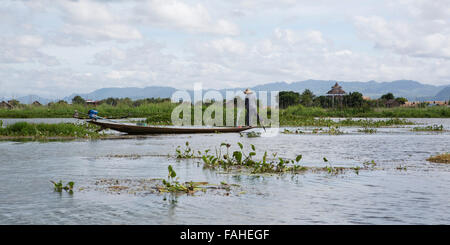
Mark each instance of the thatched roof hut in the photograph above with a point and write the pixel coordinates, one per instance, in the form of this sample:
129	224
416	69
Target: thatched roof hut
392	103
336	90
6	105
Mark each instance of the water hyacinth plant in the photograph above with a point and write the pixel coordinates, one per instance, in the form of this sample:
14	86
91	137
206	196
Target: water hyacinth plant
367	130
172	185
253	134
240	160
187	152
58	186
434	127
297	131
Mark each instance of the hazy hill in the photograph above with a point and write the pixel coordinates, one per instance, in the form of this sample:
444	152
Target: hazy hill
444	94
130	92
412	90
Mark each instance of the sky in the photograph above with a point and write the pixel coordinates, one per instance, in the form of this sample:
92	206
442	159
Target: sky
53	48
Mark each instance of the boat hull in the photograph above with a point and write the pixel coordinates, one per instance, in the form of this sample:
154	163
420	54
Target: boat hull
135	129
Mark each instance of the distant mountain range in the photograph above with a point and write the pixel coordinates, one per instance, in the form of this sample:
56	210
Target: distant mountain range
412	90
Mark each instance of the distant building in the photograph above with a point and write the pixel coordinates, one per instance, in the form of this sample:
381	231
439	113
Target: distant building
92	102
366	98
5	105
429	103
437	103
36	103
392	103
336	92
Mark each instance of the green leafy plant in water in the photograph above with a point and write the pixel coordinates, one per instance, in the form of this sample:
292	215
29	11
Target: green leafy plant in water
434	127
253	134
173	185
370	164
59	187
333	131
240	159
367	130
187	152
297	131
333	170
316	130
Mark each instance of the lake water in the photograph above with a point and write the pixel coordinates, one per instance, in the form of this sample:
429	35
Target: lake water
418	195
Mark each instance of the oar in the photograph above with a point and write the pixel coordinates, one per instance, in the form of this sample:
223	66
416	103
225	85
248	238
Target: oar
97	117
260	121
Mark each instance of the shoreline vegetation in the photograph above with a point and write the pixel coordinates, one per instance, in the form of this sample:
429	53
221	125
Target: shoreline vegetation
26	130
49	131
160	112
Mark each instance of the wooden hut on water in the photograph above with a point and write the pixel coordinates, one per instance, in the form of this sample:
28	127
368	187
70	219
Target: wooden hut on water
336	93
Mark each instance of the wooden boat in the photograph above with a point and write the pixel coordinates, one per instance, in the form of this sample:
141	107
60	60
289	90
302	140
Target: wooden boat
136	129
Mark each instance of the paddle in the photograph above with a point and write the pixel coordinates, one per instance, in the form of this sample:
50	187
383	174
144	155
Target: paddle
261	122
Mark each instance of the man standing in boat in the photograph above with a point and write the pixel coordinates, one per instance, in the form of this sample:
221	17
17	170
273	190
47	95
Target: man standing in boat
251	114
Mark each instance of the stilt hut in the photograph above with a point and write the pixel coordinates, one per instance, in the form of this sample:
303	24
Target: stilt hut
336	93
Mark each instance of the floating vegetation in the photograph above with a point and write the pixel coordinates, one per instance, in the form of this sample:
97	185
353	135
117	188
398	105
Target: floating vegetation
434	127
297	131
442	158
326	122
253	134
370	164
172	184
59	187
367	130
126	186
187	152
400	167
333	130
130	156
240	160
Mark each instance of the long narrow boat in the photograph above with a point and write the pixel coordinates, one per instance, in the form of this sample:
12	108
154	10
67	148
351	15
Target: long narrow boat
136	129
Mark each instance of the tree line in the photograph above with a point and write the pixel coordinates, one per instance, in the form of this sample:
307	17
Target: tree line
78	100
352	99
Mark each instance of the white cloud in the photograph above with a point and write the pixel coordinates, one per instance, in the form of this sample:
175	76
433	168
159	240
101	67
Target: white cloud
220	43
24	49
96	21
194	18
424	33
290	55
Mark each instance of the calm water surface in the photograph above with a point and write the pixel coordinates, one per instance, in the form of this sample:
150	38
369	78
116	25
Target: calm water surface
419	195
